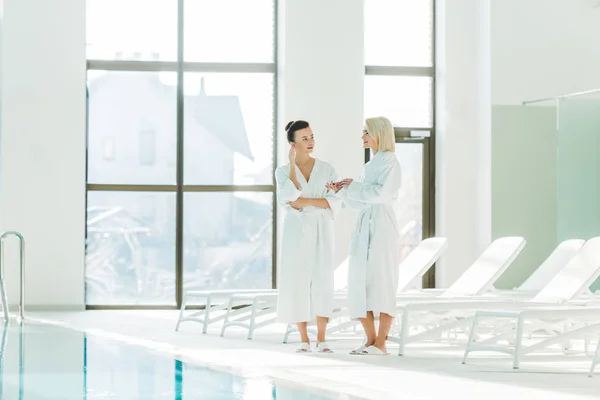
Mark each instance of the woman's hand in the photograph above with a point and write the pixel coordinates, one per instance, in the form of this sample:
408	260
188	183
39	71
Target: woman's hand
292	157
298	204
334	186
337	186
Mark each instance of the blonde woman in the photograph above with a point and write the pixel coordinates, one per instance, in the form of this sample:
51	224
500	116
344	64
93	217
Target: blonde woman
374	249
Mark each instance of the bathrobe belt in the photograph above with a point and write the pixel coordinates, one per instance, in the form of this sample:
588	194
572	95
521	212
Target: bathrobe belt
357	268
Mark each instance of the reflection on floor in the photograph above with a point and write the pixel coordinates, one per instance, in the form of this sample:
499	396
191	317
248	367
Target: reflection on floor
426	372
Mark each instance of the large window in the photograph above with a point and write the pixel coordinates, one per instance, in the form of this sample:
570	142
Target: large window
400	84
180	150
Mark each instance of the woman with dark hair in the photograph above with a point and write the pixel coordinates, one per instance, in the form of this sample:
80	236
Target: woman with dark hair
305	276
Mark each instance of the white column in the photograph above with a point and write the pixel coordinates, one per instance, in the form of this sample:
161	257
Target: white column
321	75
1	73
43	147
463	184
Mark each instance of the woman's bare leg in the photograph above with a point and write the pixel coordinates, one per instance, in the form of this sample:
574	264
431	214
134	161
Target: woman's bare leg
302	329
369	328
385	324
321	328
321	332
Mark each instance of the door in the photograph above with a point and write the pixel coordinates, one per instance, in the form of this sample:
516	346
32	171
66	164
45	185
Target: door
415	208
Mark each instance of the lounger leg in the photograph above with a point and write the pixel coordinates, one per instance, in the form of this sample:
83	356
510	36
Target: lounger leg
518	343
229	310
472	336
288	331
181	311
595	360
404	332
252	319
566	345
586	344
207	313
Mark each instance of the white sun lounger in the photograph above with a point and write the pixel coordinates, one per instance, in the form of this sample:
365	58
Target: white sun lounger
477	279
450	311
552	265
549	311
256	305
559	257
542	275
214	302
595	359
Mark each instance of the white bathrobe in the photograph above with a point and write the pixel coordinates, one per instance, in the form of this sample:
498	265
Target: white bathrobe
305	271
374	246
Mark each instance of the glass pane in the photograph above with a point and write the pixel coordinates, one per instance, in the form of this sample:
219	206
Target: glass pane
578	170
228	127
228	242
524	183
398	32
405	100
132	127
410	202
229	30
130	248
132	30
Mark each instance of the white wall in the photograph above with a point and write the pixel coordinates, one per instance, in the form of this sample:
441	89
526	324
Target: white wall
543	48
463	148
321	73
43	147
1	83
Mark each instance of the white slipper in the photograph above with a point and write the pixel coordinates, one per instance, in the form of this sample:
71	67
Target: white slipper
323	347
303	348
373	351
358	350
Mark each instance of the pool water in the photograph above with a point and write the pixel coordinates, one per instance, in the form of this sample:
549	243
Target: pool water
39	362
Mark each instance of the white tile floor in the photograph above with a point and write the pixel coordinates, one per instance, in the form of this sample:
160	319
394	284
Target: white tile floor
426	372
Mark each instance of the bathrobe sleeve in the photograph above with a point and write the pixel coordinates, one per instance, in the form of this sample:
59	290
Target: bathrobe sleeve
286	190
334	199
388	183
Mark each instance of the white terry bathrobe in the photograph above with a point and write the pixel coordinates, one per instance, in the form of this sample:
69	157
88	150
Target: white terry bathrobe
374	246
305	271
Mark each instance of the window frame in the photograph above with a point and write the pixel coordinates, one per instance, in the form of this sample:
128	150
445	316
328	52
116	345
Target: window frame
180	67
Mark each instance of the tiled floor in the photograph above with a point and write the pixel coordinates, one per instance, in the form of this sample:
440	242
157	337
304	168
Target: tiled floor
426	372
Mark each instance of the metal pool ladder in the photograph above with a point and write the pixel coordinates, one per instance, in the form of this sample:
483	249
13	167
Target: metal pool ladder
21	273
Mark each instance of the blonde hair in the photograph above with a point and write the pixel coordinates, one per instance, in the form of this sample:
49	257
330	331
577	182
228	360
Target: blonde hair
382	129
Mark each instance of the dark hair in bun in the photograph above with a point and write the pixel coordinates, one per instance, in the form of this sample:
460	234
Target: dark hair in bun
294	126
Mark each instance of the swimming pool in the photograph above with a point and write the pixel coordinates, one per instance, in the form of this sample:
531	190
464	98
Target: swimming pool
39	362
